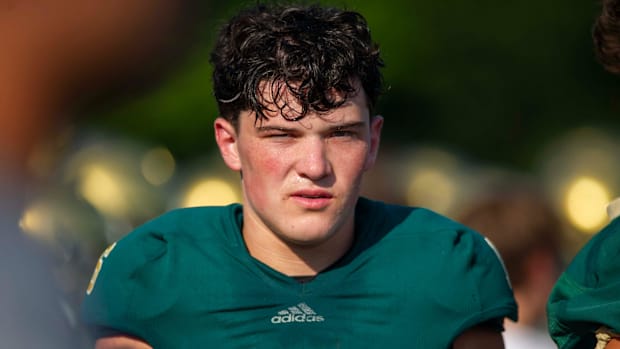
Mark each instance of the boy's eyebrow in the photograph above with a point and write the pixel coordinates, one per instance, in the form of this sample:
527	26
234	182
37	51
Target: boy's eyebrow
354	124
273	128
268	128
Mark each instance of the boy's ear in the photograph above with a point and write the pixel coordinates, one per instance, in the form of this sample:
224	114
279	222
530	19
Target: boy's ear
226	139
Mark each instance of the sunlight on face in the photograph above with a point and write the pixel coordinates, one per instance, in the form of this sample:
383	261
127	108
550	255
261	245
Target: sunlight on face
301	179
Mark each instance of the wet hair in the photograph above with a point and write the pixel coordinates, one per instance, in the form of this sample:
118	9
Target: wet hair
314	54
606	35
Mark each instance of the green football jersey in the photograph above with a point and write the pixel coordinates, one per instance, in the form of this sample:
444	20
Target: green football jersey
412	278
587	294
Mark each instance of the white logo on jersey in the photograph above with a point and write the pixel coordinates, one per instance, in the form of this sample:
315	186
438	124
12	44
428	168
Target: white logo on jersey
501	261
298	313
93	278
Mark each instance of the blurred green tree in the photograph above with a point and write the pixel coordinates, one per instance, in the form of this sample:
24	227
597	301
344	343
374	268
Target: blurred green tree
493	80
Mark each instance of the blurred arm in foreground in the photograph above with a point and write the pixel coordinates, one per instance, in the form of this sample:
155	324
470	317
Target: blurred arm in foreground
58	58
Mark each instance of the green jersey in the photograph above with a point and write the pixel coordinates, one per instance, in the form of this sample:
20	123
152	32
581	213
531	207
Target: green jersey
587	294
412	278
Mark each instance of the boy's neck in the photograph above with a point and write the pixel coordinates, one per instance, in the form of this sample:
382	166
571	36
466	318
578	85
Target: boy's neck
293	259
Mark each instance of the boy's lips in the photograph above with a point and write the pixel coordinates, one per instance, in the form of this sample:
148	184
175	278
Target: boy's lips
312	199
313	193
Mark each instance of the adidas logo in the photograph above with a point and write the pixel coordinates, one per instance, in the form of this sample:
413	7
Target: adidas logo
298	313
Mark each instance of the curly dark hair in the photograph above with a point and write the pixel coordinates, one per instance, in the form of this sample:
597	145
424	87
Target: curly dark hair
314	53
606	35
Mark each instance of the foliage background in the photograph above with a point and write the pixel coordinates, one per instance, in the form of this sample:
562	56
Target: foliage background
494	81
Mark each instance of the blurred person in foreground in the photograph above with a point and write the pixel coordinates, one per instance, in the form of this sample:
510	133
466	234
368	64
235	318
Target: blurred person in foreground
528	234
304	262
584	307
57	57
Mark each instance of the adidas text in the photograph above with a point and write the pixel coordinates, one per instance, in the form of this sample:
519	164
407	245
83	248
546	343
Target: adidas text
299	313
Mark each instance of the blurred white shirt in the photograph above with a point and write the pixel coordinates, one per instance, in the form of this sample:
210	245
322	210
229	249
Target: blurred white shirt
525	337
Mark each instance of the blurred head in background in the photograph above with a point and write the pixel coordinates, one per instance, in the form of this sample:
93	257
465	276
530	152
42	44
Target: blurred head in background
606	36
528	234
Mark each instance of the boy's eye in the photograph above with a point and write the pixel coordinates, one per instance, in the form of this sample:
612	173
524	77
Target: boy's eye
277	135
342	133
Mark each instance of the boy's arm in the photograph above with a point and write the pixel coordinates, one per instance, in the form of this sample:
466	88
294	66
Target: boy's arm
480	337
120	342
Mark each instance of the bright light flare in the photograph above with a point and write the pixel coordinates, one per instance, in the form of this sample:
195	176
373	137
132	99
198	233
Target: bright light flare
431	177
157	166
433	188
37	221
103	189
585	202
210	192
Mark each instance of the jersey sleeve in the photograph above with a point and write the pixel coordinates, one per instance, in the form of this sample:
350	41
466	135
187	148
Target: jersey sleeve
476	287
130	285
587	294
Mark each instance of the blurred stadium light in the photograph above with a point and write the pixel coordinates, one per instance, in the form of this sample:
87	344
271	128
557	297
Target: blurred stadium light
580	170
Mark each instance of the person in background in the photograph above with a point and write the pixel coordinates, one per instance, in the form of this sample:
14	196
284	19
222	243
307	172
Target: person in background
58	60
304	261
528	234
584	306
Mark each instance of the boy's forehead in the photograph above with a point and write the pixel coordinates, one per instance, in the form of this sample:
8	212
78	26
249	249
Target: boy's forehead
280	102
311	121
351	111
